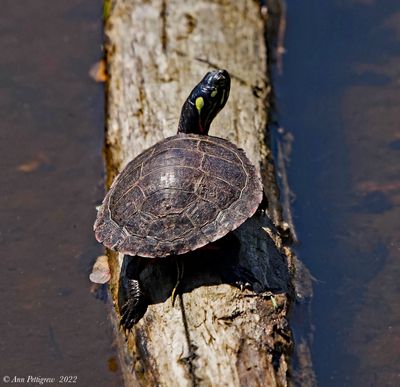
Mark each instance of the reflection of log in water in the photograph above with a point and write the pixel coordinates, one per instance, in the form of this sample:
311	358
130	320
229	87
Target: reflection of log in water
215	334
371	239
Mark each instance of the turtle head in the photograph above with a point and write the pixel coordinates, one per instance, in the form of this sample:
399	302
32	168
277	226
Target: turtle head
204	102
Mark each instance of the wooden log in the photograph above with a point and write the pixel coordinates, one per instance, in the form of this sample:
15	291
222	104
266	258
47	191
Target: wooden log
215	334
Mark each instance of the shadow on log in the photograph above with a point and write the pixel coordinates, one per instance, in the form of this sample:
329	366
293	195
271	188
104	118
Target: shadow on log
257	266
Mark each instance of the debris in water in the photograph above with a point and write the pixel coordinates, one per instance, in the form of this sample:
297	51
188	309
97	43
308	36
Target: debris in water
33	165
101	270
98	71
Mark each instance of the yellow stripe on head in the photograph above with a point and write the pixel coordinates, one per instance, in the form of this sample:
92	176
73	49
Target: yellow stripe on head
199	103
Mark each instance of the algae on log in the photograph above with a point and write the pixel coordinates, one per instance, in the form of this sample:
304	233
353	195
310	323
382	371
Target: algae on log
215	334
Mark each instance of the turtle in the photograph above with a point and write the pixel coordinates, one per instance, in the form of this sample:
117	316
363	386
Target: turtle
181	194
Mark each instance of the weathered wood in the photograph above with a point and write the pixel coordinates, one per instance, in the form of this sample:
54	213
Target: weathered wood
215	334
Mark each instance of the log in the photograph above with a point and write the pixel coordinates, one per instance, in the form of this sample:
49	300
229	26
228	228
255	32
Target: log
214	334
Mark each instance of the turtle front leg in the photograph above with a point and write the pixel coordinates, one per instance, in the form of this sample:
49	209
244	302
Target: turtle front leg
132	300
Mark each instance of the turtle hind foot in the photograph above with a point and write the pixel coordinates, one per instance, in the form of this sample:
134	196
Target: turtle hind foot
135	305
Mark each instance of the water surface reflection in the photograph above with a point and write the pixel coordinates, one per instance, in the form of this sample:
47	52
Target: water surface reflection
50	142
340	97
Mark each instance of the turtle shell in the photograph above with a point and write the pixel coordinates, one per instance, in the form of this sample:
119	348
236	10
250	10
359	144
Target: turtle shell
182	193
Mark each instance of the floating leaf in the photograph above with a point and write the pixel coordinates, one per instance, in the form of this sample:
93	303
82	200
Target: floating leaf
33	165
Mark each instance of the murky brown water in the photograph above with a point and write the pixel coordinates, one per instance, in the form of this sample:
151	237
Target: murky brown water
340	97
51	138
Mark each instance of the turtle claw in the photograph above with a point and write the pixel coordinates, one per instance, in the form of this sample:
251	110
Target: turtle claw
131	313
242	278
263	206
135	306
243	285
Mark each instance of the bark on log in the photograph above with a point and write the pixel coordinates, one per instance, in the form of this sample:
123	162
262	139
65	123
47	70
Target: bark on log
215	334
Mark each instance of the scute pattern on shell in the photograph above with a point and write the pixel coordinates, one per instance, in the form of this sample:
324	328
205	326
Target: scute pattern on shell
182	193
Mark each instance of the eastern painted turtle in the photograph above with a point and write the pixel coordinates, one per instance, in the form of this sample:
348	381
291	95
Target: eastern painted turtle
185	191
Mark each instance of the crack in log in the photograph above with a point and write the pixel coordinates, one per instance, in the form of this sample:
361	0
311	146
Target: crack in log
164	34
257	90
188	360
142	363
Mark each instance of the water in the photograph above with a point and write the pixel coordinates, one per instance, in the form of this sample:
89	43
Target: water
339	96
52	129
